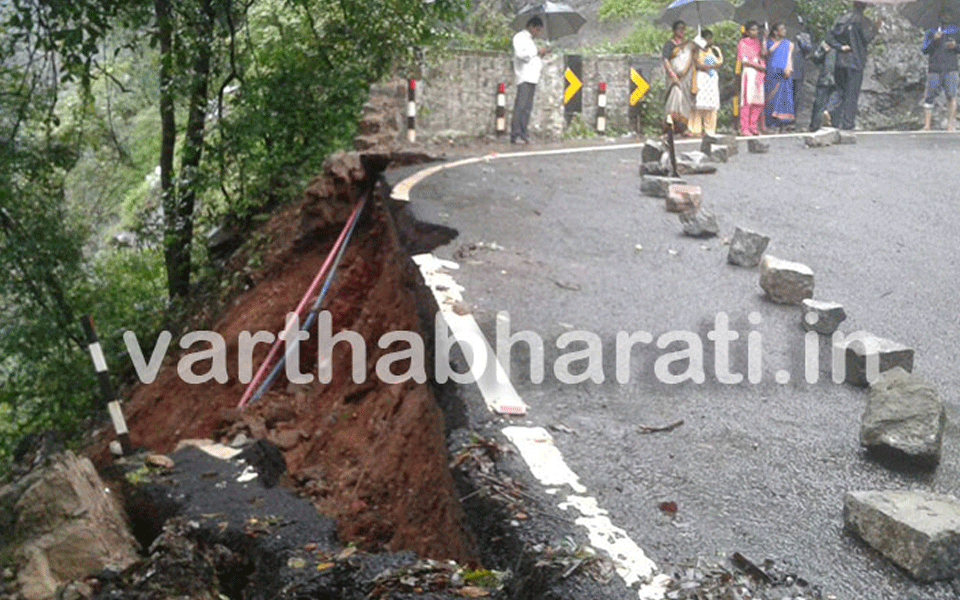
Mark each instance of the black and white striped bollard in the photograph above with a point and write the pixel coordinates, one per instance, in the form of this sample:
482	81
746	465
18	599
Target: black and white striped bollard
106	388
501	109
412	112
602	107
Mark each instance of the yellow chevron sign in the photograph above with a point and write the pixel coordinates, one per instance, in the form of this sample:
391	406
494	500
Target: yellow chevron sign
573	85
641	89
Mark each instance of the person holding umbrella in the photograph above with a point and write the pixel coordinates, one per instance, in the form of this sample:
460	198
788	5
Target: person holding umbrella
677	57
527	65
850	34
941	46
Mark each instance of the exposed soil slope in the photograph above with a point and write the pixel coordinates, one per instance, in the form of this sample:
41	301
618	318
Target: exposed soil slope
371	455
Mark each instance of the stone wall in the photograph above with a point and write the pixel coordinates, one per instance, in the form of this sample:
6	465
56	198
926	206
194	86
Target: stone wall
456	94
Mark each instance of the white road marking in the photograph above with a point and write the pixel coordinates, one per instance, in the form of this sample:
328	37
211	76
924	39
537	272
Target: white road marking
536	445
401	191
499	395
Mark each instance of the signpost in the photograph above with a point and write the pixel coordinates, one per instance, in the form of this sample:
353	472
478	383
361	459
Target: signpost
573	91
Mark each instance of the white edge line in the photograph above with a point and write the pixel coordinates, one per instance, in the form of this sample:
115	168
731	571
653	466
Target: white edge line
637	570
499	395
536	445
401	191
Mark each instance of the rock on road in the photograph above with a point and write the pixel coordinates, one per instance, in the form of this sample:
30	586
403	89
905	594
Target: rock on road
757	468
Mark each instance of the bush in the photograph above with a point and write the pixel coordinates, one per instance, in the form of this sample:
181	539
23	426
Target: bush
820	14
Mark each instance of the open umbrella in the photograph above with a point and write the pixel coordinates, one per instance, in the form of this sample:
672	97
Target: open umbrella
770	12
926	13
701	12
559	20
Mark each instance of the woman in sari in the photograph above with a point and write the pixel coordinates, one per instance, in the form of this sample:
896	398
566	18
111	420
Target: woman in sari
678	64
779	85
709	59
752	68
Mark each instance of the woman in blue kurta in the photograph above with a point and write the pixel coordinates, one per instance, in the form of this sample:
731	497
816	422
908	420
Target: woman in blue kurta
779	110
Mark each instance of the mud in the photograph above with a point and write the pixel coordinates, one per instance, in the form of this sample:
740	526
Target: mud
371	456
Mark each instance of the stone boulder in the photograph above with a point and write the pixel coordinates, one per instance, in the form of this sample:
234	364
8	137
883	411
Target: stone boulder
710	142
904	419
719	153
658	186
653	168
822	317
683	198
699	223
63	525
688	167
747	248
918	531
864	348
652	151
848	138
758	147
821	138
785	282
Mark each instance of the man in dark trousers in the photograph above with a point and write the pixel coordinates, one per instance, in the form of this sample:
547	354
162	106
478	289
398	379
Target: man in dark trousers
850	34
802	47
940	44
826	97
527	66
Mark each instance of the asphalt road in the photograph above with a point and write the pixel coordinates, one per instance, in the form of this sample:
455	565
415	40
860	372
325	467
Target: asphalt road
759	468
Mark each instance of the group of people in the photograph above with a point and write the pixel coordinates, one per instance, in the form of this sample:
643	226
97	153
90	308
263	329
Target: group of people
771	71
770	68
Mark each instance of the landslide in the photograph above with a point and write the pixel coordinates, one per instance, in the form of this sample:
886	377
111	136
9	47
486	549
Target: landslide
370	455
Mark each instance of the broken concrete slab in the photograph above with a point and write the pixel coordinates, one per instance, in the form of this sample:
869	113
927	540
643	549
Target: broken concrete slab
822	317
658	186
758	147
867	355
848	137
746	248
785	282
683	198
823	137
699	223
904	419
652	151
917	531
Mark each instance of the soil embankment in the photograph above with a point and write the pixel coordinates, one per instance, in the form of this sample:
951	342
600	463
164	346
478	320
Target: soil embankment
369	454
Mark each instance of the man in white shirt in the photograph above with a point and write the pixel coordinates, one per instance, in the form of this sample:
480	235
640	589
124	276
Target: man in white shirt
526	65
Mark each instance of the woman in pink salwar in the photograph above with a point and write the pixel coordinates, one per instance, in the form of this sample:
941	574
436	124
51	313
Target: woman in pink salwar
752	69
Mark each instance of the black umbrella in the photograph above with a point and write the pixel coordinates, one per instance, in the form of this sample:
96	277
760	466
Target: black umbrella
770	12
701	12
559	20
926	13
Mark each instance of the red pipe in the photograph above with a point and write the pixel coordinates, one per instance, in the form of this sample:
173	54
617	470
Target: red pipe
252	386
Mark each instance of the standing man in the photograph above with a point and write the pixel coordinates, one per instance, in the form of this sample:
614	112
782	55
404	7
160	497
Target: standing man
826	98
802	47
851	34
527	64
940	46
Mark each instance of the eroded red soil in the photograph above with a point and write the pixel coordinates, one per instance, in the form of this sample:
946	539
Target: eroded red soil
371	455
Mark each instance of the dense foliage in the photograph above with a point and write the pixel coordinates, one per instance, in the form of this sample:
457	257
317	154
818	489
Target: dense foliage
159	118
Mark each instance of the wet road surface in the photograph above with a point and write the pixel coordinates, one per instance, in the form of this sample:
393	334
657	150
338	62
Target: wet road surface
567	243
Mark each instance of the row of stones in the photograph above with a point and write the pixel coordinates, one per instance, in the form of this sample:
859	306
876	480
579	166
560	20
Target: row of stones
904	418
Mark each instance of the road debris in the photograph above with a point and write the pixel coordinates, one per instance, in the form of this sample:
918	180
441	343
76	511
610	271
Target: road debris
661	429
